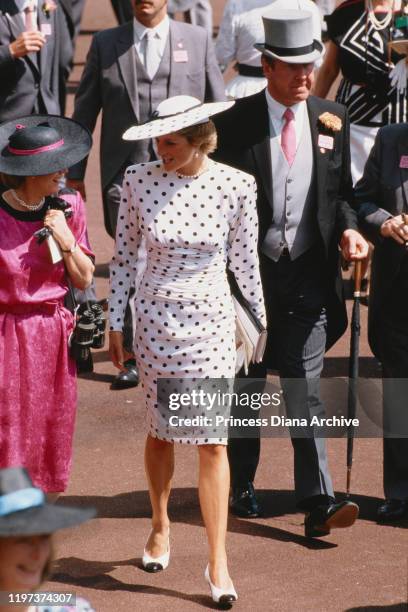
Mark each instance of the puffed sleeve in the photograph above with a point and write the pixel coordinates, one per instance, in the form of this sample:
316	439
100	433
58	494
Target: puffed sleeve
124	262
243	246
77	222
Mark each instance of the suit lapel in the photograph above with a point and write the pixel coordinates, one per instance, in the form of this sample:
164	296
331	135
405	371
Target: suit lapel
320	156
125	50
262	147
42	55
403	151
177	69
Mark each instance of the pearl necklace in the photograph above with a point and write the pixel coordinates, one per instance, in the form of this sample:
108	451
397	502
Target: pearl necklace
201	171
32	207
377	23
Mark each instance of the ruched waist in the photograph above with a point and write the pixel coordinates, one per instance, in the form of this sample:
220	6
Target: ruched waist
184	274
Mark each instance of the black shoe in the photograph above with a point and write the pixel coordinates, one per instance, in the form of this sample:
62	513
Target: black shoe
127	378
323	518
244	503
392	510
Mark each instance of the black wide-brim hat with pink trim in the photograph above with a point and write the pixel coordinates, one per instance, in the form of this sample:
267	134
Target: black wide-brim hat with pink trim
42	144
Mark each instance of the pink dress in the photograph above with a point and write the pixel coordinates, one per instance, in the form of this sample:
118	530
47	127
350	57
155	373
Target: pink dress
37	376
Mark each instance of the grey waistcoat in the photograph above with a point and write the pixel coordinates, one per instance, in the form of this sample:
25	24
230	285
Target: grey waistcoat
294	222
150	93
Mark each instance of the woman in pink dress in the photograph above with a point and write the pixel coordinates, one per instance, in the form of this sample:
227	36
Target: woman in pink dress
37	375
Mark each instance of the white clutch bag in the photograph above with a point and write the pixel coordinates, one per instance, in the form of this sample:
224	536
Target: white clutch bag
250	333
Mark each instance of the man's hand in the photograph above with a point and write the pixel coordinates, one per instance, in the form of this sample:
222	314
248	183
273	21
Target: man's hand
353	246
27	42
396	229
78	185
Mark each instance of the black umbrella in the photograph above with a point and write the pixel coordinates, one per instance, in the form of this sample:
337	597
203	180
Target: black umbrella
353	369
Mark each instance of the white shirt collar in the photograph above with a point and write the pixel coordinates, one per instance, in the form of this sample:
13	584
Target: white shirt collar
276	109
161	30
22	4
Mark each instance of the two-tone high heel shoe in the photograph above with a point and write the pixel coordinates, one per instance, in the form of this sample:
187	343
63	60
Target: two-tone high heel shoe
156	564
223	597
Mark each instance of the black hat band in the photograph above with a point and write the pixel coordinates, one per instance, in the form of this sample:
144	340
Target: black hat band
155	115
292	51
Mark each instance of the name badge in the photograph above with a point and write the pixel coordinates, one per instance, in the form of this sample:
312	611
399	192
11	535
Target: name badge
46	29
404	161
180	55
325	142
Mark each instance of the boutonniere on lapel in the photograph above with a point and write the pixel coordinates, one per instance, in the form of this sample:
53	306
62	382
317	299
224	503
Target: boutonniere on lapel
48	8
328	125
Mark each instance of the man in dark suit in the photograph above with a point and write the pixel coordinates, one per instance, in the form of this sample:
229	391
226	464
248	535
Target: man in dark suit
300	159
130	69
29	58
381	202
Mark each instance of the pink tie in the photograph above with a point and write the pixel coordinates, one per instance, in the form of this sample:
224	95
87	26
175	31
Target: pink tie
29	11
288	136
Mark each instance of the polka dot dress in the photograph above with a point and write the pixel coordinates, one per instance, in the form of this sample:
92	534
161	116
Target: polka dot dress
185	323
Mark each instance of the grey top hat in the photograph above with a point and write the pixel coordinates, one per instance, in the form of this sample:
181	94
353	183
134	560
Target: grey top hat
289	37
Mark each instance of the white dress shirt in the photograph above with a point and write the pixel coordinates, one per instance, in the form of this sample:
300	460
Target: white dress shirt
242	26
161	32
276	120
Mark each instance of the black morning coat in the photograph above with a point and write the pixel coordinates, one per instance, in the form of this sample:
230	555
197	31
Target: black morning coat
243	142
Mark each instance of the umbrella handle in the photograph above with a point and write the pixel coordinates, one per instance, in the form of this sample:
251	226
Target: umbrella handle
357	278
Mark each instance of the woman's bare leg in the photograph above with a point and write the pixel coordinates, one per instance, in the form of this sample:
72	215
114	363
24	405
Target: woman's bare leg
213	487
159	464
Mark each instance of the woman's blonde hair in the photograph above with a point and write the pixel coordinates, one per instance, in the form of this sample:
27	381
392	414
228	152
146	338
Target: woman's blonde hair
202	136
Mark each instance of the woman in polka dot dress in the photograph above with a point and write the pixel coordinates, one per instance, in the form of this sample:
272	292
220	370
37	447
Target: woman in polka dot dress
197	217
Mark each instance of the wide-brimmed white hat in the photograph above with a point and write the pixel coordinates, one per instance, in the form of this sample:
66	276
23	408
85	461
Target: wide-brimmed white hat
289	37
173	115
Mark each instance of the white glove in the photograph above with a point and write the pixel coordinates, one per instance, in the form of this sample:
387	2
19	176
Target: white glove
398	76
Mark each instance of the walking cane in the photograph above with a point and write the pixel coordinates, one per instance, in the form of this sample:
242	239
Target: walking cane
353	368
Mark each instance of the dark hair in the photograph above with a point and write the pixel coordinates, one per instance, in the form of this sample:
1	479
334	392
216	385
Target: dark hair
11	181
203	136
268	59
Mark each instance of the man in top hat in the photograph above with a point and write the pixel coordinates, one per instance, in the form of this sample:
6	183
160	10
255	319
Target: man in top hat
130	69
297	147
